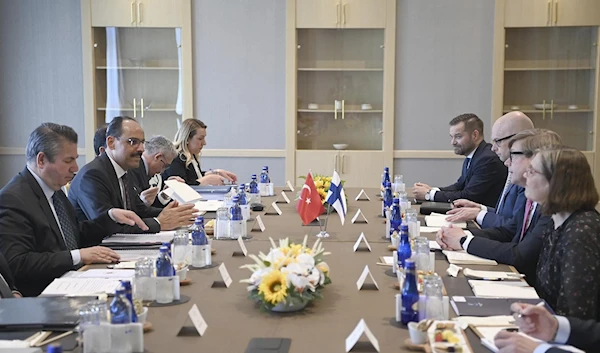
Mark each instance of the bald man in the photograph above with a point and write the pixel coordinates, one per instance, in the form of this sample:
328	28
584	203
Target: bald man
513	196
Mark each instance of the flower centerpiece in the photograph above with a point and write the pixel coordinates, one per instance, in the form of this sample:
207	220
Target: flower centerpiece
289	276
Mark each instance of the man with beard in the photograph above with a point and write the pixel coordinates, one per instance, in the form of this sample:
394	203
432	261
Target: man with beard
483	173
105	183
39	234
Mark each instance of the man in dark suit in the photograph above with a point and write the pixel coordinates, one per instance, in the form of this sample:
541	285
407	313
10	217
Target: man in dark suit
158	154
39	234
519	242
7	283
538	322
483	174
105	183
512	197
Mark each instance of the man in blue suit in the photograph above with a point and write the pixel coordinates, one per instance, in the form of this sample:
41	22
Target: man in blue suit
513	196
483	174
519	242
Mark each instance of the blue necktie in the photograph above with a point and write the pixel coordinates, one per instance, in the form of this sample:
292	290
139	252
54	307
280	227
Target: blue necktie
466	166
69	229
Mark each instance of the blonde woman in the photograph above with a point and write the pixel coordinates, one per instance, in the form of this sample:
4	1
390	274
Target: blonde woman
189	141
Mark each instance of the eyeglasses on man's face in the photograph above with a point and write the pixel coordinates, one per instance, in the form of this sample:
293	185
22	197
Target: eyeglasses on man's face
498	141
134	142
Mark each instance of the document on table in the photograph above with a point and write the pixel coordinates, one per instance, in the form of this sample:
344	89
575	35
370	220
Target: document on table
208	205
425	229
515	289
488	340
81	286
492	275
140	238
439	220
433	245
101	273
464	258
135	254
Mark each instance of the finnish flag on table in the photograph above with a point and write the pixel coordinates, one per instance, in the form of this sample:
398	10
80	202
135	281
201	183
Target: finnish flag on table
336	196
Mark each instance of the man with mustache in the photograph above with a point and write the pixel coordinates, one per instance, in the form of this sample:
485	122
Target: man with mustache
39	234
483	173
105	182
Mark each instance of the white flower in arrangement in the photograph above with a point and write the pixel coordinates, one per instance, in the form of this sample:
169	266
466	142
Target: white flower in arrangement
306	259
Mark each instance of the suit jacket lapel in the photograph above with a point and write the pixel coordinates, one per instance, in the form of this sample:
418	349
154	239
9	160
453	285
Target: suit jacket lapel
43	202
112	175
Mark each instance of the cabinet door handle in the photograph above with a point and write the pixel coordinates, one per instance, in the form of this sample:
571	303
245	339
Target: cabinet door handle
544	110
335	164
139	13
343	103
335	109
132	12
549	13
337	14
134	109
552	109
142	107
344	13
555	12
343	164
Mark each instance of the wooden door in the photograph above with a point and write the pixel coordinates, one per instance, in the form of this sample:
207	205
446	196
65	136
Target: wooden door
318	13
363	13
528	13
113	13
361	168
576	12
159	13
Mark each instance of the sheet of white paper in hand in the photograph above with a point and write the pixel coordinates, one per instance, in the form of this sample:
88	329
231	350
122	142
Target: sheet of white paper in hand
464	258
357	333
182	192
439	220
363	277
363	239
197	319
208	205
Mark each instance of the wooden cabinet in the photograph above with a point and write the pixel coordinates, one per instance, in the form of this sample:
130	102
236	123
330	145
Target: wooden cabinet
340	13
549	13
137	63
340	88
136	13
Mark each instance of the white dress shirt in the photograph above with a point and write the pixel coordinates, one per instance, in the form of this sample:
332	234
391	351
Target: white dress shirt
48	192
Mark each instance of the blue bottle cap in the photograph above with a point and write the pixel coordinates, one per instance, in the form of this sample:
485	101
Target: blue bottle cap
235	198
265	168
253	176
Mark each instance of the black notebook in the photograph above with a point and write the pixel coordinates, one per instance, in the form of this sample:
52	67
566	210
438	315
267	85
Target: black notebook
475	306
49	313
438	207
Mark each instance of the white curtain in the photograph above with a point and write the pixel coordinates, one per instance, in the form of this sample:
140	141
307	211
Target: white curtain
114	77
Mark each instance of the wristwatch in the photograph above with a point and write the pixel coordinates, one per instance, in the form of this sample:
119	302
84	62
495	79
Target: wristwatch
462	240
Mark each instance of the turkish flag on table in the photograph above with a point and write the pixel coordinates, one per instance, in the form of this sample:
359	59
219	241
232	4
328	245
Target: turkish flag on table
309	205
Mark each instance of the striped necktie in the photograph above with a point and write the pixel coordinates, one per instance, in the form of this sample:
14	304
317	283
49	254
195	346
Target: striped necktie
69	230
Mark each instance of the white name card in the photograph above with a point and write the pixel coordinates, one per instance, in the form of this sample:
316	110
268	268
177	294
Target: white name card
242	247
289	185
197	319
362	196
225	275
363	277
361	238
285	197
357	333
361	215
260	223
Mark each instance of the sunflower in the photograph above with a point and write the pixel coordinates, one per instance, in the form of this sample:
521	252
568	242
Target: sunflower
273	287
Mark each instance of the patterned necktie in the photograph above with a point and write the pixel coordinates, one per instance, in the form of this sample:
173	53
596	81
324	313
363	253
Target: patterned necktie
69	229
528	209
127	200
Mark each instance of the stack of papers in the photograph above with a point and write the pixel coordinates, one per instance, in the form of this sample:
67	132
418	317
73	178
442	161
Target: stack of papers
136	254
126	275
81	286
142	239
515	289
492	275
439	220
464	258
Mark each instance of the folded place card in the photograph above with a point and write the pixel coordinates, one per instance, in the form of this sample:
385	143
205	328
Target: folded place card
359	217
261	226
244	250
360	239
362	196
273	209
363	277
289	185
200	324
285	198
357	333
225	278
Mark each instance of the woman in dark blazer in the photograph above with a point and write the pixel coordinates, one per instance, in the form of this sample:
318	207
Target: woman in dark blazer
568	270
189	141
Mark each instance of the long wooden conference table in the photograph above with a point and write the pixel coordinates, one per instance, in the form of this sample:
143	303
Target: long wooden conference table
233	319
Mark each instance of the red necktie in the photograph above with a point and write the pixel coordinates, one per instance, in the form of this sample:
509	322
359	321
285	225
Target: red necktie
528	208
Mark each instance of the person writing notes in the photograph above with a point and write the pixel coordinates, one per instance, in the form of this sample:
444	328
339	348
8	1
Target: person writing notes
483	174
512	197
105	182
539	323
39	234
519	242
189	141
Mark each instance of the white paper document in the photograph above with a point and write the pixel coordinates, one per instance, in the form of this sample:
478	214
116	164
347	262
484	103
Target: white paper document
491	275
357	333
425	229
141	238
439	220
81	286
182	192
486	289
135	254
208	205
464	258
101	273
